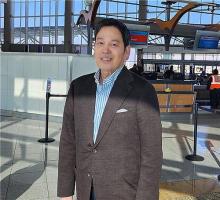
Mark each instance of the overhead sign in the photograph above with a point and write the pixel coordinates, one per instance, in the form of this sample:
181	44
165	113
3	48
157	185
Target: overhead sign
139	34
206	40
139	37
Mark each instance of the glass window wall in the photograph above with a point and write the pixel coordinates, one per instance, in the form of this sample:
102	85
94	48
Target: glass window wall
42	21
1	23
37	22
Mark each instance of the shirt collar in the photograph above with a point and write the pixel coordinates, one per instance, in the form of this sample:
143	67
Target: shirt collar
111	78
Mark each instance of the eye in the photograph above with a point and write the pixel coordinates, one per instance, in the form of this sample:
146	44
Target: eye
114	44
99	43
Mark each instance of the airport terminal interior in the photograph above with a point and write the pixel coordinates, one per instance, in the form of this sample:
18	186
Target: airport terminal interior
45	44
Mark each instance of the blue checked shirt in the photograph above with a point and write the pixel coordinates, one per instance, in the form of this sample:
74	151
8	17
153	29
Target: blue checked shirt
102	93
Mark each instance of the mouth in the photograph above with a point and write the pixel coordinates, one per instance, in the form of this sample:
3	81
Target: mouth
106	59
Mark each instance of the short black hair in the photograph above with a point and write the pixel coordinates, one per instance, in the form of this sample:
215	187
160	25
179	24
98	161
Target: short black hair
117	24
215	72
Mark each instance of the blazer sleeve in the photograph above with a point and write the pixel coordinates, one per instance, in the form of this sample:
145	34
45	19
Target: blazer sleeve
148	119
67	152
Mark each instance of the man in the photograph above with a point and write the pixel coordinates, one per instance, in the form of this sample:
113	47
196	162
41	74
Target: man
213	85
111	136
136	69
202	76
169	74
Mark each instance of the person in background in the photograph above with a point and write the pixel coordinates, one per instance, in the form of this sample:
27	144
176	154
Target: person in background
192	75
202	76
158	69
136	69
213	85
111	138
169	74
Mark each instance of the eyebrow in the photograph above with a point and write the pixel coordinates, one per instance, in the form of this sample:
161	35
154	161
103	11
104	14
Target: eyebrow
116	41
100	38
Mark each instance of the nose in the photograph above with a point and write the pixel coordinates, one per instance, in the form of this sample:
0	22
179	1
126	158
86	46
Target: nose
106	49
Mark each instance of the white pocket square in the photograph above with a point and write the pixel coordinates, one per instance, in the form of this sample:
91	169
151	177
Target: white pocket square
121	110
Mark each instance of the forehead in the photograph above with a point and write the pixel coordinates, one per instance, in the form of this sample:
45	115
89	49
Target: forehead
109	32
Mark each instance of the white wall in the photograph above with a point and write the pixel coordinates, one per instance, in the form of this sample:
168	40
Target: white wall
24	75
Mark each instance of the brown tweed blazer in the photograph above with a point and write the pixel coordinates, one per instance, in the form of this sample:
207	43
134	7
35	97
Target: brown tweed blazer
125	161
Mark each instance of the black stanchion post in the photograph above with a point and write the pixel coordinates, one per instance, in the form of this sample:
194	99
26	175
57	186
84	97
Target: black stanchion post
47	114
45	155
194	156
46	139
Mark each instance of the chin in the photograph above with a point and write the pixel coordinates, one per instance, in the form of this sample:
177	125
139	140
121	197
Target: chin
107	67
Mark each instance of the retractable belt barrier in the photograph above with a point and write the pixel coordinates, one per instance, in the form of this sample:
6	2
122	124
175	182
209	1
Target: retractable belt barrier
194	156
181	102
46	139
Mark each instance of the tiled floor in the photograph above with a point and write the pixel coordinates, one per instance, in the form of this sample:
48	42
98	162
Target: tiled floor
29	169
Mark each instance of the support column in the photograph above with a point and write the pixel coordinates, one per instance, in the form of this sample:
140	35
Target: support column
142	15
182	69
90	34
7	26
167	38
56	22
88	4
168	6
140	62
68	27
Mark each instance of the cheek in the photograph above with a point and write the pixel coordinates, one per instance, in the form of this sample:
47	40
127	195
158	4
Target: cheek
119	55
96	54
96	51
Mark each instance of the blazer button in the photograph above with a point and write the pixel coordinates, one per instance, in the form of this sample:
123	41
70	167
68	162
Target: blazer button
89	175
94	151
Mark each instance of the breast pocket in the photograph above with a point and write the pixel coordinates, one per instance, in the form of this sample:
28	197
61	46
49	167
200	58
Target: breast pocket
125	117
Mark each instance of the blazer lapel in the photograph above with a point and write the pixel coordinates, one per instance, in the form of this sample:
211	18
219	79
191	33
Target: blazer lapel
117	96
89	107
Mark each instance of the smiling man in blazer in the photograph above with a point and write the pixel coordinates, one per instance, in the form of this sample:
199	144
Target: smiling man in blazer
110	144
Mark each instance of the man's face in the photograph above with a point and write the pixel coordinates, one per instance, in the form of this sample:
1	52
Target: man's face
110	52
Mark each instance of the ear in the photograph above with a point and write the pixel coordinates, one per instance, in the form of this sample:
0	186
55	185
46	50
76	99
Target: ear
127	52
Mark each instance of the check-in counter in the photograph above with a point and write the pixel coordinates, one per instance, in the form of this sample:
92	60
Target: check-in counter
175	96
173	85
177	102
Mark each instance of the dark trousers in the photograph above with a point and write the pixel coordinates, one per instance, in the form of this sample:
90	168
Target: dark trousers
92	194
215	98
